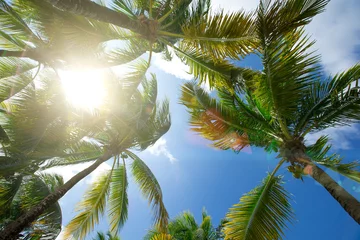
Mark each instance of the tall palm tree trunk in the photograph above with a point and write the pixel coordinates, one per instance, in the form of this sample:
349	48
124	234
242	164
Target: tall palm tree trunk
95	11
13	229
350	204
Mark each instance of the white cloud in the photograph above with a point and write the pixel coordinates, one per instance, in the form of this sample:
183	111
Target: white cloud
337	34
340	137
174	67
336	31
232	5
160	148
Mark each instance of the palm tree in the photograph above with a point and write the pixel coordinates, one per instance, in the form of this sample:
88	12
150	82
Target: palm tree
129	119
34	126
276	109
184	227
19	193
88	35
108	236
70	34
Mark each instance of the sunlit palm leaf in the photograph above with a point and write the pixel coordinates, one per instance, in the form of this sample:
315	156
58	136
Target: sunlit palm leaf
91	208
330	103
260	214
162	236
118	200
220	73
150	188
223	123
221	35
290	70
78	152
278	18
14	23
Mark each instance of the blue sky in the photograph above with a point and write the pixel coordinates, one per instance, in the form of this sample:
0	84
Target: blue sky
193	175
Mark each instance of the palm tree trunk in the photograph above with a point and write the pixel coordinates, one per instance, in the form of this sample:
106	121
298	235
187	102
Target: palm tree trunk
95	11
12	230
350	204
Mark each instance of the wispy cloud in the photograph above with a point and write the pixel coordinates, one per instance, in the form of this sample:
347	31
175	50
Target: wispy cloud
231	5
340	138
337	35
174	67
160	148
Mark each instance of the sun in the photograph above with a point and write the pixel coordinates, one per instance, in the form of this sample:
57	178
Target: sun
84	88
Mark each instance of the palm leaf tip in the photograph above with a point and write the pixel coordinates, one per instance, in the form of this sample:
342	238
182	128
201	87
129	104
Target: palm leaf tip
91	208
118	199
263	213
150	188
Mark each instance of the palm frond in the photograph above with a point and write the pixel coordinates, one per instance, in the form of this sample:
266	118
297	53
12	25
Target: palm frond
52	181
150	188
124	6
289	70
161	236
220	73
331	103
154	126
77	152
221	35
13	23
207	228
91	208
260	214
14	66
16	82
223	123
318	152
278	18
8	190
30	190
131	51
118	200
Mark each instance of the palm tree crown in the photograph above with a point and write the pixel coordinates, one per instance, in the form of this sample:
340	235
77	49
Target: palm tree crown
82	33
275	109
130	119
184	227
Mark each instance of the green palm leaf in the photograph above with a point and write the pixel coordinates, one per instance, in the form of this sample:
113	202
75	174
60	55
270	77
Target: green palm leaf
8	190
330	103
90	208
220	73
221	35
161	236
318	152
260	214
225	124
118	200
150	188
278	18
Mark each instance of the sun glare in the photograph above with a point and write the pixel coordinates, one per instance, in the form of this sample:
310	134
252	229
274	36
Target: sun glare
84	89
